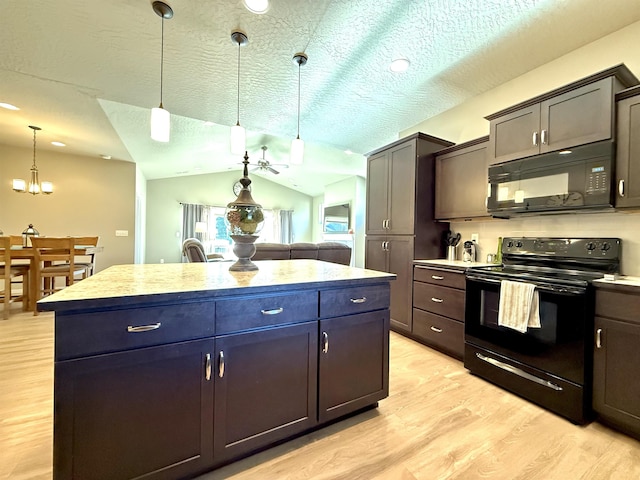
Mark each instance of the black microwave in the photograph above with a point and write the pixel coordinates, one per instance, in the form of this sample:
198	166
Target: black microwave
572	179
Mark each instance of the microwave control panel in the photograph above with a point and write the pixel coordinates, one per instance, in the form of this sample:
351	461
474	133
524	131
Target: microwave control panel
597	178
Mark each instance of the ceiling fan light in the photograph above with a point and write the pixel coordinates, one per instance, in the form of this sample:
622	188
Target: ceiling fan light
160	124
399	65
238	140
297	151
19	185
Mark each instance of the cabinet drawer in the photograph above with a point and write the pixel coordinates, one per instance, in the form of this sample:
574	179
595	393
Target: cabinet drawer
439	277
246	313
346	301
440	332
620	305
441	300
82	334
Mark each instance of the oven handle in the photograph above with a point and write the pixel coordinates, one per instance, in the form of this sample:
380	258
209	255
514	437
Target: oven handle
519	372
545	287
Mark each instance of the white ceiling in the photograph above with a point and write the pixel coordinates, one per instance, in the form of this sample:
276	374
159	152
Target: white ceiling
88	72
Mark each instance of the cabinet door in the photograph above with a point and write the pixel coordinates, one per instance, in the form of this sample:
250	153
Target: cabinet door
616	391
402	184
512	135
628	153
145	412
375	253
266	387
354	363
377	193
400	255
583	115
461	183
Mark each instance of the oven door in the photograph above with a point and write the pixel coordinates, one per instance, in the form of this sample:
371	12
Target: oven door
547	365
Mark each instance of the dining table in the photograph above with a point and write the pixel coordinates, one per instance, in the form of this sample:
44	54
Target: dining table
20	252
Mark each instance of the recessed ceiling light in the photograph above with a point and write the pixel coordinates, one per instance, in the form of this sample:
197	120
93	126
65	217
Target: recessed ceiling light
58	144
257	6
564	152
106	157
348	152
399	65
209	123
8	106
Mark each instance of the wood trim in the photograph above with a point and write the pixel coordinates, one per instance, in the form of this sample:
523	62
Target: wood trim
419	135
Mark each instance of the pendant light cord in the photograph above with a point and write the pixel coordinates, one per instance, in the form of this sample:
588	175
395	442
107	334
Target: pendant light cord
299	99
161	62
238	114
34	149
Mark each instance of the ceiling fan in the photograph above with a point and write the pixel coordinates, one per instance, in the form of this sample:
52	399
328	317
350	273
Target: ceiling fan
266	166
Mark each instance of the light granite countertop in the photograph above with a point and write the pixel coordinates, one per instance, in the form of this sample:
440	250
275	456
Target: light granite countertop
457	264
621	280
131	283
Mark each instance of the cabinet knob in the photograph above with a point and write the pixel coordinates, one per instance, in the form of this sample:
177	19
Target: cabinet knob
621	188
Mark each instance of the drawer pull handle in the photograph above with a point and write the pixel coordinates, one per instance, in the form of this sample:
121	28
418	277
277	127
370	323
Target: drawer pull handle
221	364
207	366
599	338
437	300
436	329
437	277
358	300
143	328
274	311
325	342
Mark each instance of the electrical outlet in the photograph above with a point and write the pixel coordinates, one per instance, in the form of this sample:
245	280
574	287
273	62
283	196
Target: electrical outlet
122	233
474	237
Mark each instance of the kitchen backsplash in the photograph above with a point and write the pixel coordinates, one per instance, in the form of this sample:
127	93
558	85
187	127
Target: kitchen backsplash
625	226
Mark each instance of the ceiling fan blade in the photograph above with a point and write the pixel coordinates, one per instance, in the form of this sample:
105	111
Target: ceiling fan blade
273	170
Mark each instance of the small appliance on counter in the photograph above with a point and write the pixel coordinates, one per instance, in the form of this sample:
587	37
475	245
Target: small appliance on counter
469	251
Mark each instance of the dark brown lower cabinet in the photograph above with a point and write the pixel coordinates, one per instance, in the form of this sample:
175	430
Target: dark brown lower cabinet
266	387
352	350
616	359
128	414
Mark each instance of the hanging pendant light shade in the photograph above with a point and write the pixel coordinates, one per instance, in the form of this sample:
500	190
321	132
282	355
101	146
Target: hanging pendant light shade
34	186
160	118
238	134
297	145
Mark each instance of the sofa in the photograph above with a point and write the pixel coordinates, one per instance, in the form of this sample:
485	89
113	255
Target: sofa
334	252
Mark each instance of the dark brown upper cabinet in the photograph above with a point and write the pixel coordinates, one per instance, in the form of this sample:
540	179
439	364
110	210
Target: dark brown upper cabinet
461	181
628	149
579	113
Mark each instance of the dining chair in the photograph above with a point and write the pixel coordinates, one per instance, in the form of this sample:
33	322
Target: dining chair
47	251
9	272
89	263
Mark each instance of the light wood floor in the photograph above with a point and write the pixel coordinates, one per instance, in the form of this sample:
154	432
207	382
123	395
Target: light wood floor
438	422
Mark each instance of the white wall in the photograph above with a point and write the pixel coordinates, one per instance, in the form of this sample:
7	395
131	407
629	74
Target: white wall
164	212
466	122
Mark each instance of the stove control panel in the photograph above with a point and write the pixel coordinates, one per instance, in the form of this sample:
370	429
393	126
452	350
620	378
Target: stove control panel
578	248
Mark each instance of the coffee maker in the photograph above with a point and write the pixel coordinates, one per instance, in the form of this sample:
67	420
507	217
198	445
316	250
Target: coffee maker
469	251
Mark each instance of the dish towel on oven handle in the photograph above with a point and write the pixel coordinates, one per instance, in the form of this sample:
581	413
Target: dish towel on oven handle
519	306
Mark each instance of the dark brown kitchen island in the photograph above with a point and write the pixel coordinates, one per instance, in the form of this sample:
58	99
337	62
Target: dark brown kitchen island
167	371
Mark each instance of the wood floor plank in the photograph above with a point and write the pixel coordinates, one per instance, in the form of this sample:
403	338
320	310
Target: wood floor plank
439	422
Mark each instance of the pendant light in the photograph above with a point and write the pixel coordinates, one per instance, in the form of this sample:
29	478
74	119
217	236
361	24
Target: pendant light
35	186
160	118
297	145
238	134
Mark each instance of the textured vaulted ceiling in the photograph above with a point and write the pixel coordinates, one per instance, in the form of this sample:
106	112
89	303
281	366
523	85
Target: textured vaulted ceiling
88	72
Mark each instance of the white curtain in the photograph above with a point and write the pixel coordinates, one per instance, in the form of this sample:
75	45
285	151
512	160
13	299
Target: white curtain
282	225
